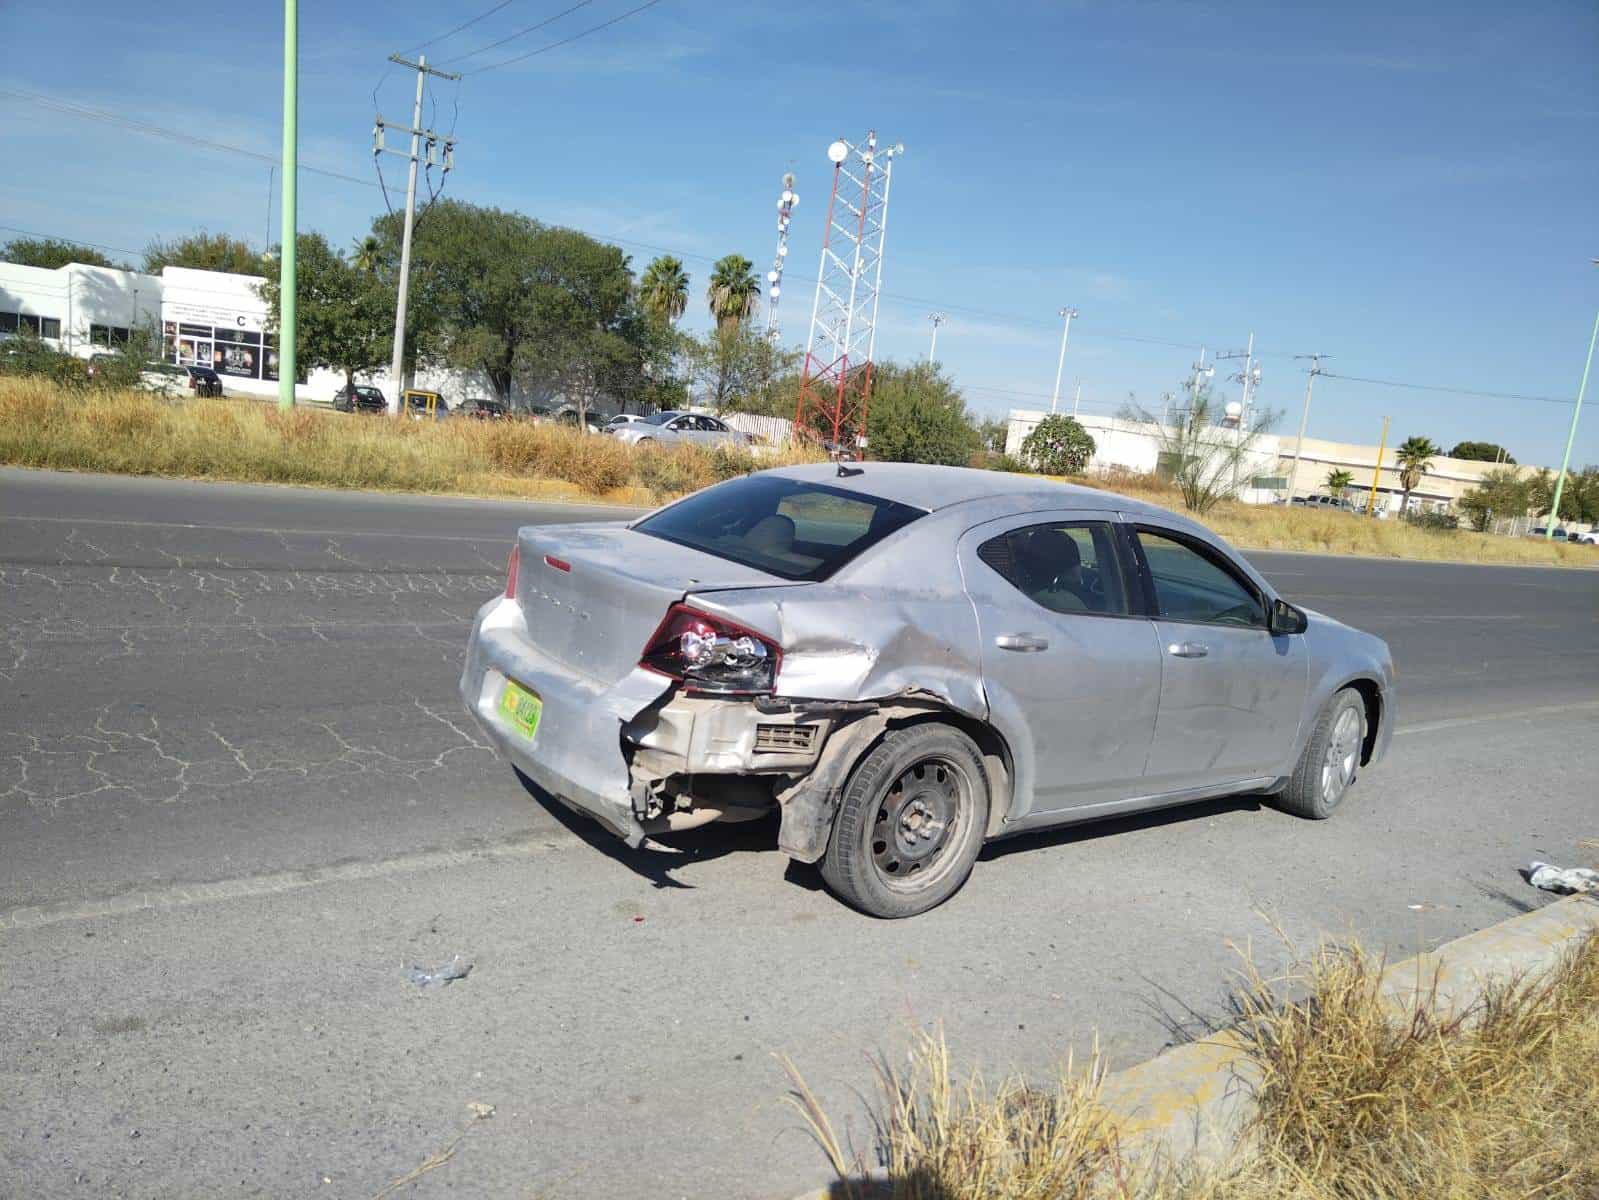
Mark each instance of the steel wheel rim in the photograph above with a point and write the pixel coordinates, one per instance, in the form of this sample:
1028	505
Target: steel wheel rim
1342	756
919	819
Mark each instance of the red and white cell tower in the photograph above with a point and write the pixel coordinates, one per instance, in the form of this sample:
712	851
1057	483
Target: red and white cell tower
836	386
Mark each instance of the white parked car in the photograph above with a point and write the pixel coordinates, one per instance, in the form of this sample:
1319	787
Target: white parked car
667	428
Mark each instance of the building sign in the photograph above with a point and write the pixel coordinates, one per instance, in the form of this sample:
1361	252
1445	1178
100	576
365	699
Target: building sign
228	350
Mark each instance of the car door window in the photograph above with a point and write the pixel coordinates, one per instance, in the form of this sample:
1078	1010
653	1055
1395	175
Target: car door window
1066	567
1191	584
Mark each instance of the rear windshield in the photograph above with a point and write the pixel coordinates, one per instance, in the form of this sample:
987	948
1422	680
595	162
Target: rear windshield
786	527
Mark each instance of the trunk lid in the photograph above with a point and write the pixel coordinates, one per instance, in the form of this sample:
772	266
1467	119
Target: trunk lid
596	616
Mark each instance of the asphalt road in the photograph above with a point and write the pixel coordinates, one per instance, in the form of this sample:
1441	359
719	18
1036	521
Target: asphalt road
238	797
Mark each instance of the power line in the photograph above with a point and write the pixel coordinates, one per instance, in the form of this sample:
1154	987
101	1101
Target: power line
511	37
1453	391
464	25
566	41
96	114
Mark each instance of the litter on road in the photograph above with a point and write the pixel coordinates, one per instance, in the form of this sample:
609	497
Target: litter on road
448	973
1562	879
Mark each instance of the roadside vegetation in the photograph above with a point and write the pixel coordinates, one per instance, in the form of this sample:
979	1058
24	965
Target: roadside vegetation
1357	1099
67	425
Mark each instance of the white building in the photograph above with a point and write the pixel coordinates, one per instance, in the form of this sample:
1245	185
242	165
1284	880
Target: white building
200	318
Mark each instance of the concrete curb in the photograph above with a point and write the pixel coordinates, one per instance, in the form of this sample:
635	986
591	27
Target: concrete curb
1193	1101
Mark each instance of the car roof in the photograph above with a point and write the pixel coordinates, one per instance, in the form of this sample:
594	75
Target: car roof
932	487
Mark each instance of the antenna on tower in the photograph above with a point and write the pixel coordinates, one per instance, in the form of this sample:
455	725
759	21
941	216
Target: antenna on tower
836	384
786	201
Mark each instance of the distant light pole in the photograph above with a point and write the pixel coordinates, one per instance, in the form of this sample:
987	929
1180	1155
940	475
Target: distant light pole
288	366
1304	417
1065	333
1077	396
1571	437
932	351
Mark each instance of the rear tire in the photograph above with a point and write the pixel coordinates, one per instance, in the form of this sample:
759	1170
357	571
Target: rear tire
911	822
1331	761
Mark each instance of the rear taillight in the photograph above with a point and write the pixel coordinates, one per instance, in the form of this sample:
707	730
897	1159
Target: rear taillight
512	564
711	654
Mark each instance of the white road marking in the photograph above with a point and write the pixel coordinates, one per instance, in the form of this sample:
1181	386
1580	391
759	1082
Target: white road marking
1548	710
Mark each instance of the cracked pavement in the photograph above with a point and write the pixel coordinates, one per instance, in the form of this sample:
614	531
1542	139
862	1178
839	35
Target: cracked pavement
238	794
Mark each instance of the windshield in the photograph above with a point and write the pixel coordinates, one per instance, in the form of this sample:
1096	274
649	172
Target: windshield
785	527
660	418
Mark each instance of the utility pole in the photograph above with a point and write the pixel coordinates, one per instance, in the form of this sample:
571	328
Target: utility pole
1249	375
1077	396
396	371
288	300
1371	504
1571	437
932	351
1304	417
1068	313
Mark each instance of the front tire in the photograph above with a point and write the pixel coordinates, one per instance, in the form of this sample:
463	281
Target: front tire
910	824
1331	760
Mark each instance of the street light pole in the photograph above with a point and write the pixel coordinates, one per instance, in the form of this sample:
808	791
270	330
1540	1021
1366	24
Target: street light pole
1571	436
1304	418
932	351
1068	313
288	368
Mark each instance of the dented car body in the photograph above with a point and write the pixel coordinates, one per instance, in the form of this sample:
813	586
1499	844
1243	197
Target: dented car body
974	653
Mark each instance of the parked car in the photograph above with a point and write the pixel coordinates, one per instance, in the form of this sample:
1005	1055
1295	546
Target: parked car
422	405
567	415
1590	538
360	398
620	420
164	379
203	381
1542	531
907	661
681	427
482	410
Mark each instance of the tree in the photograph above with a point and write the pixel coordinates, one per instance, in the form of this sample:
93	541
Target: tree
1482	452
1499	493
663	289
205	252
345	316
1338	482
1414	457
992	432
916	414
1541	496
733	292
367	256
1201	457
51	253
733	369
1058	445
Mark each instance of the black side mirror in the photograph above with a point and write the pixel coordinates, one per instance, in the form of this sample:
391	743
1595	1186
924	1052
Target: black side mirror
1285	618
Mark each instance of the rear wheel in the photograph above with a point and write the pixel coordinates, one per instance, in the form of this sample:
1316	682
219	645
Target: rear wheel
1331	759
910	824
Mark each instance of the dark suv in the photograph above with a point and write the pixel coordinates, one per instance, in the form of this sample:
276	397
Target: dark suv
203	381
360	398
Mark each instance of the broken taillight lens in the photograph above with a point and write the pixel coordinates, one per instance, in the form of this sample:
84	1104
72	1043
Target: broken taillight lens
512	564
711	654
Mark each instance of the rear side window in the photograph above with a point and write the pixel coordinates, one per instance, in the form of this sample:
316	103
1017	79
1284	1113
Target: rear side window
786	527
1064	567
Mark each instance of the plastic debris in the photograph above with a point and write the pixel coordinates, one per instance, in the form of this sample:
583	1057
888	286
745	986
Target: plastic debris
448	973
479	1110
1562	879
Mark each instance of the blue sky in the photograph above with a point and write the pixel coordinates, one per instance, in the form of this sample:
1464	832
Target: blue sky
1410	188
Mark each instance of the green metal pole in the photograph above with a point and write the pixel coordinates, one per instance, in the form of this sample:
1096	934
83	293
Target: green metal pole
1565	463
287	300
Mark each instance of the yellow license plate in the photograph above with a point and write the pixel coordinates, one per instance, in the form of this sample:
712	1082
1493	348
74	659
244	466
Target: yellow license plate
521	708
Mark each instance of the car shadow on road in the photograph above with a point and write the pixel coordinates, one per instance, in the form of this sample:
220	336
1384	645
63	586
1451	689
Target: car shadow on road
1065	835
665	853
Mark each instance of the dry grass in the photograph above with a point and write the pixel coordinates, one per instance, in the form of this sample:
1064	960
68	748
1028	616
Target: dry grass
135	434
1356	1101
132	433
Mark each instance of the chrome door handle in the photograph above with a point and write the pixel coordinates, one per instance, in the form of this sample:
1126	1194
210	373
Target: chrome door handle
1026	643
1188	649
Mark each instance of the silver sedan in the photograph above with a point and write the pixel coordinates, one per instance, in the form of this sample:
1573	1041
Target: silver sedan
907	661
673	428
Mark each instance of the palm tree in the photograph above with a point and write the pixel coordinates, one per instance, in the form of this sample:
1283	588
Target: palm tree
1415	457
663	289
1338	482
368	254
734	292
